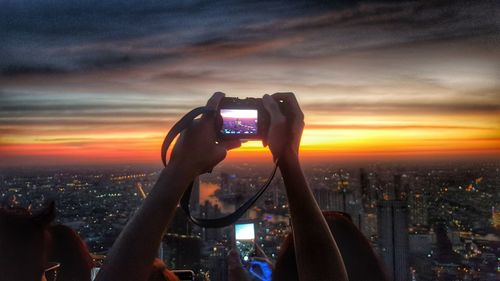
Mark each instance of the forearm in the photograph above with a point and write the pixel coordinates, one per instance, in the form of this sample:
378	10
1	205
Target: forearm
132	255
317	254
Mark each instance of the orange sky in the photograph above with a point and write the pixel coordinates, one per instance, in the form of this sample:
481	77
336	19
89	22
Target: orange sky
372	83
318	143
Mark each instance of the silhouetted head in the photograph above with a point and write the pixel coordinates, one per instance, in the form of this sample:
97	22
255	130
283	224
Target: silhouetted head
24	242
360	261
70	251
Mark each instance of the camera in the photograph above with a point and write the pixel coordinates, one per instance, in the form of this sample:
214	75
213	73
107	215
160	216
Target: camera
244	119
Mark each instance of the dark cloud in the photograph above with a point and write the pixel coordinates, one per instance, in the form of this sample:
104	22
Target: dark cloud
36	108
184	75
411	107
20	69
43	35
52	37
26	111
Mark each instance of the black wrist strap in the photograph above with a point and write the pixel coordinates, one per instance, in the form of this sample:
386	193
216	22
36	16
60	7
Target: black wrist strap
178	127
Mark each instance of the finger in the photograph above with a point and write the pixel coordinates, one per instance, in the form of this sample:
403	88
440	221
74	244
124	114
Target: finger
220	152
231	144
213	102
292	111
259	251
233	253
272	108
233	259
291	103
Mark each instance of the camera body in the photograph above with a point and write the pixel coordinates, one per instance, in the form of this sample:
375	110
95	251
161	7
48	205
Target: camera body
243	119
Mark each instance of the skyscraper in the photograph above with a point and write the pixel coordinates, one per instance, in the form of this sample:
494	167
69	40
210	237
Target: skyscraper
393	237
418	210
364	183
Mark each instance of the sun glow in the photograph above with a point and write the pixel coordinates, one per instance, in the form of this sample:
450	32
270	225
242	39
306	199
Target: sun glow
318	142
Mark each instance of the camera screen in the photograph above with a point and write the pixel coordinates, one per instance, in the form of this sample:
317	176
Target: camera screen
244	231
239	121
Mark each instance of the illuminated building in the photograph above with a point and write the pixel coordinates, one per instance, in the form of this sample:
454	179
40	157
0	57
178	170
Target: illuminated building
495	217
368	192
417	209
217	263
369	224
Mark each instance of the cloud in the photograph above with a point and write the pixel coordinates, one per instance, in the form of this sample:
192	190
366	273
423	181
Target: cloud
416	107
53	37
390	127
78	71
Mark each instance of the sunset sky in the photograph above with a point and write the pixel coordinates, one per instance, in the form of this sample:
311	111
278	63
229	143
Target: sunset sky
99	82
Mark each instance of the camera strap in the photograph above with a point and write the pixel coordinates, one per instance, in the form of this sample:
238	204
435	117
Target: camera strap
178	127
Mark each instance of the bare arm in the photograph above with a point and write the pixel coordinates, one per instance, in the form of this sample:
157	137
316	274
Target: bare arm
316	253
196	151
133	253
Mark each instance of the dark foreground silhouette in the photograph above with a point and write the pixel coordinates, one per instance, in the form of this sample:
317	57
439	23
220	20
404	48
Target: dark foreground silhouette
320	247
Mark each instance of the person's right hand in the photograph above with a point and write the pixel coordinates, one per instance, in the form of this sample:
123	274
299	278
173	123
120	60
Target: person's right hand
286	124
197	147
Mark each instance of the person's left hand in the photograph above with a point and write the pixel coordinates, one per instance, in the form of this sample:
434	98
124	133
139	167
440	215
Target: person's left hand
197	147
236	271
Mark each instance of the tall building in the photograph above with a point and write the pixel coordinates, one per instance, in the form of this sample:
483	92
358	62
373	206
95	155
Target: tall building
325	198
400	188
418	209
397	187
364	183
369	224
318	192
224	183
217	263
393	238
335	200
182	251
209	211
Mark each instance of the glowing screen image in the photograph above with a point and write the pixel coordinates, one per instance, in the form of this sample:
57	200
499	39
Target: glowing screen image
239	121
244	231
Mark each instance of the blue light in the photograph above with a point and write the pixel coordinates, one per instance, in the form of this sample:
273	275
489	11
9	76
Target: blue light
264	268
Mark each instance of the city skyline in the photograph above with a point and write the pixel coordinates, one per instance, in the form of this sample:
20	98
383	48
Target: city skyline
426	222
376	80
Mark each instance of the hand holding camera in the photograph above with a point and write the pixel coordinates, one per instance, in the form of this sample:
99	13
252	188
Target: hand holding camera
286	126
275	120
199	148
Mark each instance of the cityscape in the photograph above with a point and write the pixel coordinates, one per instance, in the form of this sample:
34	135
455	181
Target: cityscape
434	221
400	104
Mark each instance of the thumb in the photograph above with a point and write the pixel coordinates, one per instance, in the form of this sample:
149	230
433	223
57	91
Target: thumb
233	258
273	108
